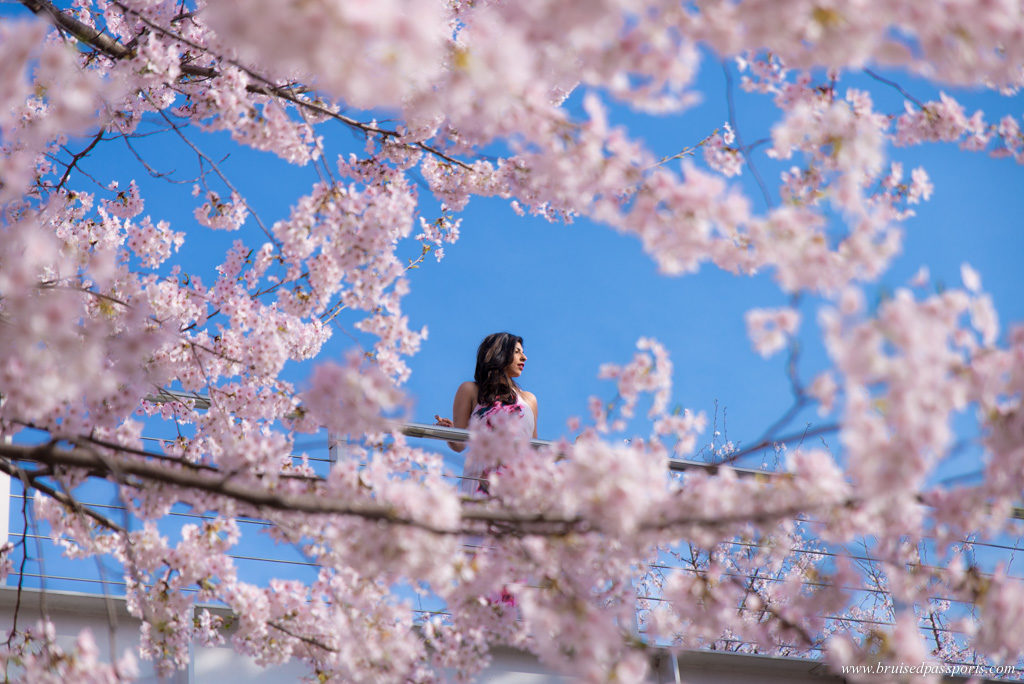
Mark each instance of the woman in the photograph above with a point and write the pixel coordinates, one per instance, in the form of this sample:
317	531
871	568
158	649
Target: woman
499	360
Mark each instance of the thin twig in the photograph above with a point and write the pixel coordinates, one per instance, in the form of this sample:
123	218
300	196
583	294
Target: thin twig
78	157
744	150
894	84
793	437
216	169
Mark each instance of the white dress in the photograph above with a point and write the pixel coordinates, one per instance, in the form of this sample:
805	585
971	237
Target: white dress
476	469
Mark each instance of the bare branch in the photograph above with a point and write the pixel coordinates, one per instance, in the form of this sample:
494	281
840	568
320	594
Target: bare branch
793	437
77	158
744	150
216	169
897	86
24	560
31	481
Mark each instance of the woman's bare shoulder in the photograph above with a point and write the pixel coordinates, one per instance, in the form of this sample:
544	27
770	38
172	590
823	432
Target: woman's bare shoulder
467	389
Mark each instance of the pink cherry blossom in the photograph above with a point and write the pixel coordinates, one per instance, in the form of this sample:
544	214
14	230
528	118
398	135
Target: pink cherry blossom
769	329
103	317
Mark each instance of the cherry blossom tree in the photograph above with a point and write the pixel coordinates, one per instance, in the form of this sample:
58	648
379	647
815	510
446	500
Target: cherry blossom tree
99	321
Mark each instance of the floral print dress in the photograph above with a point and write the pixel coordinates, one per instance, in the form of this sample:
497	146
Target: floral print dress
519	415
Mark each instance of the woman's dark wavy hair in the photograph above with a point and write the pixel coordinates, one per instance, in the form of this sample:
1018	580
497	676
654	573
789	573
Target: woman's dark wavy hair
492	360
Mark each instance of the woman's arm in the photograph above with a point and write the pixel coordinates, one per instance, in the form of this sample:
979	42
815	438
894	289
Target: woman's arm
531	400
462	408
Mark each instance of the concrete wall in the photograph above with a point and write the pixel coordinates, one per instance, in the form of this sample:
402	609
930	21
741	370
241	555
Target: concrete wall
71	612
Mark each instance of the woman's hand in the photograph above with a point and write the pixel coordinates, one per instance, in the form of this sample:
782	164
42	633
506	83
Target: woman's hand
447	422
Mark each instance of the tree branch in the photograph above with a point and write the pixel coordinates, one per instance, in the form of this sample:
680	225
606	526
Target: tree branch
115	50
223	484
31	480
83	32
500	522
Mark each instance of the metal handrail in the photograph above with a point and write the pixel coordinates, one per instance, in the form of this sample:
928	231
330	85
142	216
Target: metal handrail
448	434
165	396
452	434
459	435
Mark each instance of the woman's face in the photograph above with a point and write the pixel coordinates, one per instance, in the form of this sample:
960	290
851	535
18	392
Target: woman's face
515	369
